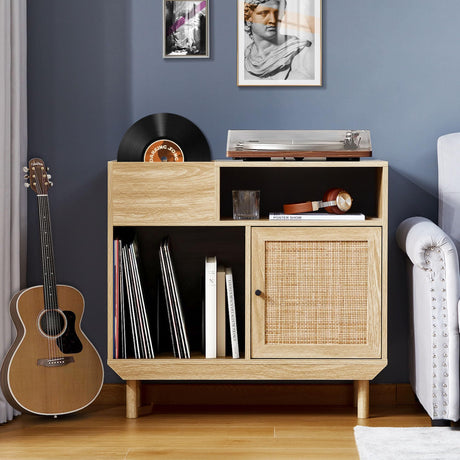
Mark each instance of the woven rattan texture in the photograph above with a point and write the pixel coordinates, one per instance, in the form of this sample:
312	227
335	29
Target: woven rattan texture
316	292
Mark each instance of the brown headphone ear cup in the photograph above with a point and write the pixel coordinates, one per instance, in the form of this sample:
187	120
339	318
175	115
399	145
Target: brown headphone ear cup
331	195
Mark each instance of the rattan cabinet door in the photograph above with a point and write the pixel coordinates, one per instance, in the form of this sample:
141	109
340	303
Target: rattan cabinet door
316	292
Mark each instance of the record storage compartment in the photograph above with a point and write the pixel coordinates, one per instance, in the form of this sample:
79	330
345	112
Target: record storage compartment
192	202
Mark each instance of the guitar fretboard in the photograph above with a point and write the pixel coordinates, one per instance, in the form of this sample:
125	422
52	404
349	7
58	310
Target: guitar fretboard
48	266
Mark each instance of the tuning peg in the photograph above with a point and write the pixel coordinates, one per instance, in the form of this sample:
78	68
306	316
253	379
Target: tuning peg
26	185
25	169
48	176
26	176
51	184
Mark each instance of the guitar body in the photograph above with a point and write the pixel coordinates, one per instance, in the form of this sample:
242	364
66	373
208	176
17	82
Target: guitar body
50	370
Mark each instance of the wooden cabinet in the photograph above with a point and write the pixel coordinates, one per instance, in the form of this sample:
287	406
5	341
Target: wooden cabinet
310	295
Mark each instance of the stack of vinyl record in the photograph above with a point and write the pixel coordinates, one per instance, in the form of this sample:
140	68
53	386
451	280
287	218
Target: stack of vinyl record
131	325
173	304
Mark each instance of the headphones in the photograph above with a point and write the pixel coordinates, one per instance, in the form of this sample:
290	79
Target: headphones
335	201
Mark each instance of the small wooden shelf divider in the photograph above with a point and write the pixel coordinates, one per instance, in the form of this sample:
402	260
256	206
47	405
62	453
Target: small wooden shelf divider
323	312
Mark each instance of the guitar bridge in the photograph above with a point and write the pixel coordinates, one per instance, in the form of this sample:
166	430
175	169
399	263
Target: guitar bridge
55	362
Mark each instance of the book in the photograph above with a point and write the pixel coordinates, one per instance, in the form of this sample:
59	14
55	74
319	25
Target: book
232	312
315	216
210	290
221	311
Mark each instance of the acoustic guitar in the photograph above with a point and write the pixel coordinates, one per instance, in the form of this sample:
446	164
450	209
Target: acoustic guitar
51	368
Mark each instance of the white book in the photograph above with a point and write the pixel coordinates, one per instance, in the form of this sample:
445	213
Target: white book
316	216
221	311
232	313
210	307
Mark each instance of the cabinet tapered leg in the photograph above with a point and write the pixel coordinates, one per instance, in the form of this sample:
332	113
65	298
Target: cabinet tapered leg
133	400
362	398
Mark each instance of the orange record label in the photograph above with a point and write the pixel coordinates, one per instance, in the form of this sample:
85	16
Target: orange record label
163	150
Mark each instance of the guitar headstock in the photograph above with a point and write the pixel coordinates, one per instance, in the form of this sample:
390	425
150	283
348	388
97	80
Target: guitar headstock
38	177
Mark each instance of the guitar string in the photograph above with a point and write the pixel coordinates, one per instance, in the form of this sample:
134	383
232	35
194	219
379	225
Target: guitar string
48	309
52	320
60	329
52	284
39	191
45	293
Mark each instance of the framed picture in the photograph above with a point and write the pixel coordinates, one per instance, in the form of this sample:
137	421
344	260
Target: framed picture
185	29
279	42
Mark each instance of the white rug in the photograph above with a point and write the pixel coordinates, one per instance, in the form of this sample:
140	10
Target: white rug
441	443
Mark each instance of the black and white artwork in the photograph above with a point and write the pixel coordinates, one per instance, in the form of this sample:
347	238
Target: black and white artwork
186	29
279	42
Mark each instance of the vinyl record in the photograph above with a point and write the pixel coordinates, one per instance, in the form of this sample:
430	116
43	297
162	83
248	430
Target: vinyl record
164	137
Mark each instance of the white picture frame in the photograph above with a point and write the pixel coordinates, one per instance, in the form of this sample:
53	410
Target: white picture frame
279	43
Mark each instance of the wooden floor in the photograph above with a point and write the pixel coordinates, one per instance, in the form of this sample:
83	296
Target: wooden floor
249	432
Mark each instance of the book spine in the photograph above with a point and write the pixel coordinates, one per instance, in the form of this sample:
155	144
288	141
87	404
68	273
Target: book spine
315	216
232	313
221	312
210	307
287	217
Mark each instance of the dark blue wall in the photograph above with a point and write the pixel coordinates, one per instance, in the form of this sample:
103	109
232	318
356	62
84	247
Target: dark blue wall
95	67
79	86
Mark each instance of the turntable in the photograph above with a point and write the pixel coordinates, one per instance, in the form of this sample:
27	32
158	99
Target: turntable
298	144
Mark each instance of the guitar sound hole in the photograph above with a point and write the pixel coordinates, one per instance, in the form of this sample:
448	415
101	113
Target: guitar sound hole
52	323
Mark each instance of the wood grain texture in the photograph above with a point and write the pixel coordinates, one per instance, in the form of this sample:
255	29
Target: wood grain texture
197	432
49	390
172	193
362	398
247	369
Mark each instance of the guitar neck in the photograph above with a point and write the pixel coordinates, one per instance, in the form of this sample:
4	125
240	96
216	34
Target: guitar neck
47	252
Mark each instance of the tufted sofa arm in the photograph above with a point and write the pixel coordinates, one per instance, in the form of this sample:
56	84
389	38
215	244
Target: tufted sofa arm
417	235
434	299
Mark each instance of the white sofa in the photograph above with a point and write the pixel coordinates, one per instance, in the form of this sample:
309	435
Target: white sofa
434	291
